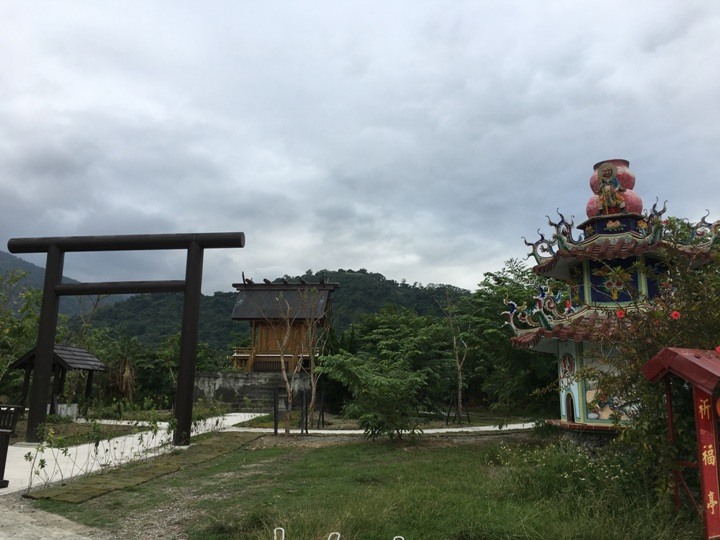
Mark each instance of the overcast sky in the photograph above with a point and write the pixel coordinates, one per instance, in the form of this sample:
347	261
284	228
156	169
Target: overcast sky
418	139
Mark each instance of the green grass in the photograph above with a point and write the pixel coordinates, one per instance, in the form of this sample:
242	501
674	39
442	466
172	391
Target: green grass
459	489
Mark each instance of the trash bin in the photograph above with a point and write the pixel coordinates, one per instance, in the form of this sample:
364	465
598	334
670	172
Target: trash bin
8	419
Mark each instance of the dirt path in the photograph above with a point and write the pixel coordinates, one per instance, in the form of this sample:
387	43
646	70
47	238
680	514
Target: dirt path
18	519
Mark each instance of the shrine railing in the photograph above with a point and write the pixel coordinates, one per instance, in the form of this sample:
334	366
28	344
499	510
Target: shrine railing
249	361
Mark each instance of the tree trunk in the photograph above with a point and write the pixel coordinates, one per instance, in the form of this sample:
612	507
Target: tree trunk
459	393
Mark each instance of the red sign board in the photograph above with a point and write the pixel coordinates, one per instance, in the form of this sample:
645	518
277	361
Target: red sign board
705	427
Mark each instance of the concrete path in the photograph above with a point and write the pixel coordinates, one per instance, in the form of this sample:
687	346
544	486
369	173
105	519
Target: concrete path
458	429
86	458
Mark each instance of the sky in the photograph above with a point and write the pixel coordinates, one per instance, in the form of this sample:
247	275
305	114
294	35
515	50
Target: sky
419	139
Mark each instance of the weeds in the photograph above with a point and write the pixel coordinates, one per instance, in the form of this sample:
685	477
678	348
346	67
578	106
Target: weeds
433	488
58	459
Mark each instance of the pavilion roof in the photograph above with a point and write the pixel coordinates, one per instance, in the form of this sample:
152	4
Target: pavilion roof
698	366
66	356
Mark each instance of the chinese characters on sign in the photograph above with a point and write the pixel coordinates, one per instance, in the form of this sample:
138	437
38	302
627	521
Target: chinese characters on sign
707	460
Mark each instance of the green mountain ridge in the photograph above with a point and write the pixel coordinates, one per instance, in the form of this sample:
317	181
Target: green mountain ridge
34	279
34	274
154	317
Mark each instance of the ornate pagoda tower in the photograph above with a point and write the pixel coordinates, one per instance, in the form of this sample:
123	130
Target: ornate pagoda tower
600	271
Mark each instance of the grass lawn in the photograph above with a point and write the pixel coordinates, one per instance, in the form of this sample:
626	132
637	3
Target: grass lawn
459	487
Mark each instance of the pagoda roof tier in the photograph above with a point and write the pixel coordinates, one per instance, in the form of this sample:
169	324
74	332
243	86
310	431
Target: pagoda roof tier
617	236
589	325
550	318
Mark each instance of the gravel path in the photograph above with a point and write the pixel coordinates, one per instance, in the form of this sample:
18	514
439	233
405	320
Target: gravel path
18	519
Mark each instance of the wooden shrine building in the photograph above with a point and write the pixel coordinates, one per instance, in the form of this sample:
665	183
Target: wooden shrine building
286	320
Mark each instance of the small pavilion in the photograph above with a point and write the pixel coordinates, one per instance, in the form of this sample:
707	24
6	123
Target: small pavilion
65	358
599	270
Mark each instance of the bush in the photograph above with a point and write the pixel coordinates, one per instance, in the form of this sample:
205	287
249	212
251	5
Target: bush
386	395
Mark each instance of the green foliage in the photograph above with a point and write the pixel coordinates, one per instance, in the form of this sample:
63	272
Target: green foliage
465	325
386	394
19	312
567	469
685	313
422	342
508	377
153	317
364	293
381	317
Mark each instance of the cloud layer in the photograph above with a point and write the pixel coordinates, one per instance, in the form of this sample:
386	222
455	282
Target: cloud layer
421	140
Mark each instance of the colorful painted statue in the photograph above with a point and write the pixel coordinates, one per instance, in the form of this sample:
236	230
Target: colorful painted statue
610	190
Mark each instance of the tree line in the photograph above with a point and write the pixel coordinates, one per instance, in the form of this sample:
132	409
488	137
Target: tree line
380	328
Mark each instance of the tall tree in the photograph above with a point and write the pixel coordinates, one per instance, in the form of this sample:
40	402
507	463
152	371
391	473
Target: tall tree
509	377
423	341
461	323
398	367
386	395
19	313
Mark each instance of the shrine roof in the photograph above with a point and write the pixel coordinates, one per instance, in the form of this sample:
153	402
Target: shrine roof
273	301
698	366
66	356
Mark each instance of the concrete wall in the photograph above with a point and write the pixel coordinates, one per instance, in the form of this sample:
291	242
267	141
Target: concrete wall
244	389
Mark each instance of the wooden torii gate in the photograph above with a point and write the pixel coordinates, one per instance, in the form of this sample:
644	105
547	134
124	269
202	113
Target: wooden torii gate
53	289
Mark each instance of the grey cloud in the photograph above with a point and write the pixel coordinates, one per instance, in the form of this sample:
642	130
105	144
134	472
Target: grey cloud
418	140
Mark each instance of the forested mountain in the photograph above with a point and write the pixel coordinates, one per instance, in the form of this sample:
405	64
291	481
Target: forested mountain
362	292
10	263
153	317
35	276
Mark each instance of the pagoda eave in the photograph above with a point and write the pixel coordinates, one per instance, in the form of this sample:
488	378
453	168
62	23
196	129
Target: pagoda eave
590	325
